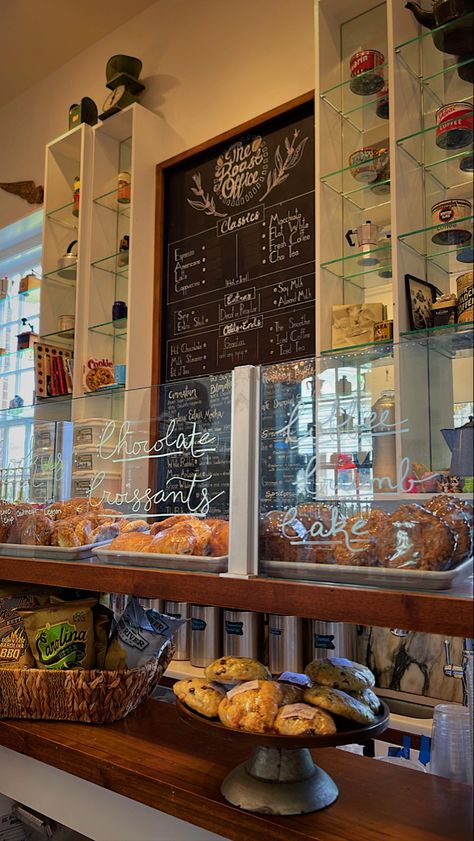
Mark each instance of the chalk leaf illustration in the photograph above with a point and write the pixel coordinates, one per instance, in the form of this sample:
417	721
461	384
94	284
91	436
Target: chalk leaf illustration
206	204
281	170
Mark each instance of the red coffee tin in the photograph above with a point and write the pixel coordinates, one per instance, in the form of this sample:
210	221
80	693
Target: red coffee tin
454	125
367	75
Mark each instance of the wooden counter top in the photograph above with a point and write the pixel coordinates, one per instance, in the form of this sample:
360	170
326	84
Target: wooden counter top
156	758
448	612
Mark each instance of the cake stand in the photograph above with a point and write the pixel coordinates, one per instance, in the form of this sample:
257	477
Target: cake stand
280	777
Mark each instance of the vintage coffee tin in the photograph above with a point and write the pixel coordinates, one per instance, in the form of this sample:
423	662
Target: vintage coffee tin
445	311
454	125
446	216
383	331
123	188
382	110
465	297
367	75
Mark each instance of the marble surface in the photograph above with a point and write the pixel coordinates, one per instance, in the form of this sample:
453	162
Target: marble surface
413	663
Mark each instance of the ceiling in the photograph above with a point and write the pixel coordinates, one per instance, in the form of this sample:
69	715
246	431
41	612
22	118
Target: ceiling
38	36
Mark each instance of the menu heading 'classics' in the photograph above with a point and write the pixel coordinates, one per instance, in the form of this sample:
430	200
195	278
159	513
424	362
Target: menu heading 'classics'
239	251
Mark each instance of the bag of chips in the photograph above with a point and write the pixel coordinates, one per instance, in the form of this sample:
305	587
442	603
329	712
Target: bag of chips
14	647
61	636
22	597
139	635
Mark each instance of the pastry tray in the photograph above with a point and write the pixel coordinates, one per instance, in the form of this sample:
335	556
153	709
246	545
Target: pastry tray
184	563
50	553
395	579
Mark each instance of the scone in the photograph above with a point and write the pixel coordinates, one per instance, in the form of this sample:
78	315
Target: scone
235	669
367	697
339	703
199	694
291	693
340	673
253	706
303	720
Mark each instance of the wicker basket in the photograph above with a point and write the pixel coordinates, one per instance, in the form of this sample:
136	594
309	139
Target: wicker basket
92	696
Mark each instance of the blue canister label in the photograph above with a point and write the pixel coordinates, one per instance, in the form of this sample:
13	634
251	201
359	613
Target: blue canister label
276	632
324	641
198	624
236	628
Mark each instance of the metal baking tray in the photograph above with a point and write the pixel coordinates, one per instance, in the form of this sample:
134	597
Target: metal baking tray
392	579
184	563
50	553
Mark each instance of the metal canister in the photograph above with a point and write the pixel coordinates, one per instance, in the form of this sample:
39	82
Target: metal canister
118	603
329	639
383	442
206	645
285	643
182	640
454	125
367	75
156	604
123	188
76	195
465	297
241	631
451	219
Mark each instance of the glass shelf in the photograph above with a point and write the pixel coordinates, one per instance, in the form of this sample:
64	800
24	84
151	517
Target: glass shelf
115	388
443	164
366	353
30	297
439	71
110	264
63	216
111	202
55	277
351	105
64	335
364	196
442	256
25	355
451	340
115	329
364	276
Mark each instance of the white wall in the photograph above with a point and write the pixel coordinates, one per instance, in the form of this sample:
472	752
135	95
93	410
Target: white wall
207	64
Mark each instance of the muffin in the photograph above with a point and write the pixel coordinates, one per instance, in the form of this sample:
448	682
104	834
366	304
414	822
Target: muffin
303	720
252	706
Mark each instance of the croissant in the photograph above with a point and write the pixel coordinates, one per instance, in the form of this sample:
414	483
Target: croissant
104	532
133	525
170	522
132	542
219	543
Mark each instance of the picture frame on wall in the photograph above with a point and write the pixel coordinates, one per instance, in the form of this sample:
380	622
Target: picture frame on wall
420	296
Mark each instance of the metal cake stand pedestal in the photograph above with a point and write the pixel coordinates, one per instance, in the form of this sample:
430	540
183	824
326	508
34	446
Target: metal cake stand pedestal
280	776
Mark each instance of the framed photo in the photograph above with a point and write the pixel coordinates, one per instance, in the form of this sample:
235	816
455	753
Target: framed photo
420	295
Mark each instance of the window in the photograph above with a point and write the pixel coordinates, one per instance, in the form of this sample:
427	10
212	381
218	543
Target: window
20	254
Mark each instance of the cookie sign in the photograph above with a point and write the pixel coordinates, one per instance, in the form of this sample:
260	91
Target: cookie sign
97	373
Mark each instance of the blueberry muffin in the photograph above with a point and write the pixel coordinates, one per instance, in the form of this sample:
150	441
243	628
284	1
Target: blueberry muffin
235	669
253	707
340	674
303	720
200	695
339	703
367	697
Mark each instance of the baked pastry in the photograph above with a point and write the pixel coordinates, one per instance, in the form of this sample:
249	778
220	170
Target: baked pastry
252	706
303	720
180	540
454	514
127	526
282	541
367	697
290	693
132	542
339	703
360	546
106	531
72	507
317	519
33	529
7	520
200	695
219	542
169	523
416	539
340	674
235	669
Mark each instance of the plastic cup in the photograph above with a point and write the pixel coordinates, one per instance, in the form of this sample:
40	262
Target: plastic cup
451	752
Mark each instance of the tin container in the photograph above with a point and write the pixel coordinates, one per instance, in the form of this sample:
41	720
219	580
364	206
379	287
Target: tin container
123	188
76	195
241	630
66	322
465	297
367	74
384	446
383	331
367	165
445	311
285	644
454	125
446	216
206	624
383	109
182	640
329	639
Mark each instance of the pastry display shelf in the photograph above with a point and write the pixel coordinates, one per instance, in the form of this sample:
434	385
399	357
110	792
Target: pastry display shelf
437	72
444	165
64	216
114	329
60	335
452	340
146	757
441	256
110	201
365	276
54	276
111	265
448	612
363	196
369	353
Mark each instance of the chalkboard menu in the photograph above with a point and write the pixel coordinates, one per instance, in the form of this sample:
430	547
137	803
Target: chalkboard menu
238	249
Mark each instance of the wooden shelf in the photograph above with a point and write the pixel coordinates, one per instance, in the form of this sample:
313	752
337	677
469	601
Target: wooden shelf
147	757
447	613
